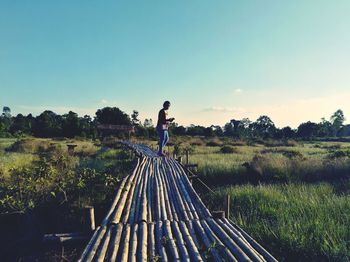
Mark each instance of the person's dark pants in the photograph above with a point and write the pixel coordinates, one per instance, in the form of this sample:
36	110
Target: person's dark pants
163	139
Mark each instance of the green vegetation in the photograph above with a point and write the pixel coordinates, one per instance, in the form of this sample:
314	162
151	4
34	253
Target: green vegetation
296	222
291	196
39	172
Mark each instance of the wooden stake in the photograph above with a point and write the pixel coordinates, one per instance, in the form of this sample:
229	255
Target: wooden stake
90	218
227	206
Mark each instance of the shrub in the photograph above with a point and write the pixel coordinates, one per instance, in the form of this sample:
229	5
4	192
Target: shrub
228	149
196	142
214	143
339	154
277	143
29	146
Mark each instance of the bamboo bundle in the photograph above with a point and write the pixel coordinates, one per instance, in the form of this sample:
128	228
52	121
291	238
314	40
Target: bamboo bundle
161	194
133	211
161	252
244	245
141	188
190	242
180	242
119	209
158	211
101	253
91	243
179	200
207	241
92	249
149	196
119	191
192	233
166	196
173	199
254	244
157	215
234	248
170	241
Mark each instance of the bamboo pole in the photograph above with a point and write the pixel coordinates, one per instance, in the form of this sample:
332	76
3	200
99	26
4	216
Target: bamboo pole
161	252
170	241
180	242
126	240
245	246
101	253
151	242
90	244
116	242
207	242
142	242
256	245
234	248
92	251
190	243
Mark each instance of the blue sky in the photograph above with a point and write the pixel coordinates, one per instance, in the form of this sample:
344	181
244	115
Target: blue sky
214	60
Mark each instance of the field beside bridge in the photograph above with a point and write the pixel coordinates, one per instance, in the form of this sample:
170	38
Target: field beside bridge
292	197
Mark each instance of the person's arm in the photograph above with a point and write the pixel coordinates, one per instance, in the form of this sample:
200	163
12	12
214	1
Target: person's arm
170	119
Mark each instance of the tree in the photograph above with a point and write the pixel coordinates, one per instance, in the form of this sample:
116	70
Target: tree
21	124
6	112
263	127
337	120
5	121
70	125
218	130
48	124
112	115
307	130
148	123
287	132
134	118
325	128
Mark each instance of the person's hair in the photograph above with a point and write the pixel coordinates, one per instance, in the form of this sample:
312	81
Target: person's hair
166	103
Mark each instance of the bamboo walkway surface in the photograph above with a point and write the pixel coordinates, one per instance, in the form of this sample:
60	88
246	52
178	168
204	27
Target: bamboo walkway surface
156	215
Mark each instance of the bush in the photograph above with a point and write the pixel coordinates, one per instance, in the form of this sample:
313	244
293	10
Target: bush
29	146
339	154
287	153
228	149
278	143
214	143
196	142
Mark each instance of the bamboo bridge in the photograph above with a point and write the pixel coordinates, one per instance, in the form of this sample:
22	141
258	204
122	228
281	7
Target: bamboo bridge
156	215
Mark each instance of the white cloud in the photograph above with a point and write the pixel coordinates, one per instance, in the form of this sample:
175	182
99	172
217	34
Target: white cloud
104	101
238	91
224	109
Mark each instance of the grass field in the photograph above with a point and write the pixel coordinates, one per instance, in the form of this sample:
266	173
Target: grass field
293	197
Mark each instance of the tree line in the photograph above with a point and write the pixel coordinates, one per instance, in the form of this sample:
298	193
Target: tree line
49	124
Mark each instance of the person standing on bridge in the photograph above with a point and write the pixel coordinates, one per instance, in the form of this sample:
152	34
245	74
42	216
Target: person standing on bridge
162	127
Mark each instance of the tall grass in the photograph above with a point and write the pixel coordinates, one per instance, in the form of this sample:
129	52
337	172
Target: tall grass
296	222
270	164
